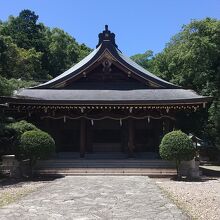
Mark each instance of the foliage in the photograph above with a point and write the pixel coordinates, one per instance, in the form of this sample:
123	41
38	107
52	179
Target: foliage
17	62
5	88
177	146
83	51
145	59
36	145
10	134
30	50
6	140
21	127
8	86
62	51
191	59
16	84
24	30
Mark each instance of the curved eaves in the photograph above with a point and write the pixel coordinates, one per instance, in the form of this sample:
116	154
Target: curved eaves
84	63
139	70
94	56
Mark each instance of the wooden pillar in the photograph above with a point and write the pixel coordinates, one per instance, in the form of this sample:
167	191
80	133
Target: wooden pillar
82	137
124	140
89	138
166	126
130	137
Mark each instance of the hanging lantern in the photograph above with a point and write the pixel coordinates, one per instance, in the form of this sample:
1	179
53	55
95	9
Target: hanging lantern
92	122
64	118
148	119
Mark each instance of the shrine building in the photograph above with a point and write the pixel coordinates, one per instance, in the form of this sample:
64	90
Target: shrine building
105	103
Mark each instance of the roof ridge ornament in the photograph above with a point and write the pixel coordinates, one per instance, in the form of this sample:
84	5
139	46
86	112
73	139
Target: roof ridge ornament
107	35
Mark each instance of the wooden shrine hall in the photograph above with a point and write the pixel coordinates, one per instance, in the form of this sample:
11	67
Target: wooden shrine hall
105	103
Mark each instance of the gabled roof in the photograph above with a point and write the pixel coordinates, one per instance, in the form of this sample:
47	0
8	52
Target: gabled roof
106	48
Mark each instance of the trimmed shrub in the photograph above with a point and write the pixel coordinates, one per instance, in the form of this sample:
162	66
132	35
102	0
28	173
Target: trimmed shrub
36	145
20	127
177	146
12	135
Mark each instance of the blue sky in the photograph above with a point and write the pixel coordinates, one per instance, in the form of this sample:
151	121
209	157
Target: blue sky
139	25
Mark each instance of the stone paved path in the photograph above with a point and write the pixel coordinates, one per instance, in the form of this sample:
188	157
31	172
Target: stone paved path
95	197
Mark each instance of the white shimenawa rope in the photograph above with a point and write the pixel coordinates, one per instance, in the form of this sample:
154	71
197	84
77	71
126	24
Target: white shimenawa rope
107	117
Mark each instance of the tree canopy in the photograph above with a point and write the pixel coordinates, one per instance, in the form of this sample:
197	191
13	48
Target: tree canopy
145	59
30	50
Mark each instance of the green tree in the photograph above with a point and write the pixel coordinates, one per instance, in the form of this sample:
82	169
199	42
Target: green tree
145	59
8	56
5	88
24	30
63	51
192	60
31	50
9	86
177	146
17	62
29	66
83	51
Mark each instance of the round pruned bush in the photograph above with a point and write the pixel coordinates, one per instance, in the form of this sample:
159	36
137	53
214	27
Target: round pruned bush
177	146
13	132
36	144
20	127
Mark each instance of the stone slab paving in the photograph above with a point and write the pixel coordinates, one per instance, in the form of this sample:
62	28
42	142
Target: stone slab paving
95	197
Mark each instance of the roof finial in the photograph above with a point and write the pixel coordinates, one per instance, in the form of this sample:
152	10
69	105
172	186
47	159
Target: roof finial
107	36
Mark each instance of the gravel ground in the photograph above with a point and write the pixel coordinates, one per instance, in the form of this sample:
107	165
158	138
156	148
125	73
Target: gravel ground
12	190
201	199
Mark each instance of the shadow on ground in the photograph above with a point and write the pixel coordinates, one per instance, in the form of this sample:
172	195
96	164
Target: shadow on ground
7	181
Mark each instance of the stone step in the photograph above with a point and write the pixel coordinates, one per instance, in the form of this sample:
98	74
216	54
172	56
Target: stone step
101	155
106	155
104	163
105	166
107	171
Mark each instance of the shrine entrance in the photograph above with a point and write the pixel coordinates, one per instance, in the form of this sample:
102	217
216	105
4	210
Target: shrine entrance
106	136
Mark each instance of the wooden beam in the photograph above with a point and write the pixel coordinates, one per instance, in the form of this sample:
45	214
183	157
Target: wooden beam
82	137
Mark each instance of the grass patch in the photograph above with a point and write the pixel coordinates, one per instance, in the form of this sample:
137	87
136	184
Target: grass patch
12	196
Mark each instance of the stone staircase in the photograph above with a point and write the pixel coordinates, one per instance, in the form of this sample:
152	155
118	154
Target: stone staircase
154	168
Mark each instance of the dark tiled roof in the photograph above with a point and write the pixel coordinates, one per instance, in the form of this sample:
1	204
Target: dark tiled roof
140	95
